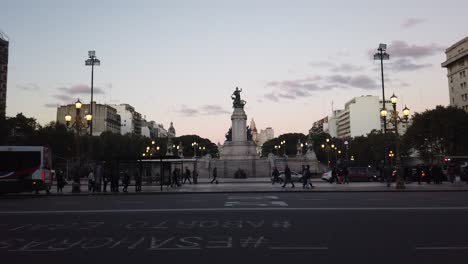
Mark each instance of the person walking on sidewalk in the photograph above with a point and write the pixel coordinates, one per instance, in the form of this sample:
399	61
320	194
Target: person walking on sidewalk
91	180
215	175
126	181
334	175
308	177
275	175
287	177
60	181
138	181
345	173
175	177
187	175
195	176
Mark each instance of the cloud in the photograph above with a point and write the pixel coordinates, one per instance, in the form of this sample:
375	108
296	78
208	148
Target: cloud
358	81
405	64
213	110
345	67
63	97
81	89
186	111
272	97
401	49
204	110
51	105
321	64
28	87
411	22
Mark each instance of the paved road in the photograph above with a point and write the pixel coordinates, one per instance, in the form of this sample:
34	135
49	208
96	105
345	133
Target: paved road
233	228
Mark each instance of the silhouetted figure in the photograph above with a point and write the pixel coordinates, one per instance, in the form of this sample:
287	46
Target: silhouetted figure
345	173
308	177
60	181
187	175
215	175
275	175
175	177
138	181
334	176
195	176
287	177
418	174
126	181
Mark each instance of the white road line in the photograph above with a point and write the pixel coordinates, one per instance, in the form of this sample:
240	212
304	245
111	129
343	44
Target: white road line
441	248
299	248
228	209
130	202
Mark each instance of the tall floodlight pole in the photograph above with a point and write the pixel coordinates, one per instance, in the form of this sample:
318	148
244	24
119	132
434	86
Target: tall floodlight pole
383	55
92	61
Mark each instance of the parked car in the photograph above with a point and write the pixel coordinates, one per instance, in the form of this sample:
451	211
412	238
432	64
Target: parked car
355	174
326	176
295	177
363	174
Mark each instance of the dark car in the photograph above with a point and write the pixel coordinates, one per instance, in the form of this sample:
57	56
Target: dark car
362	174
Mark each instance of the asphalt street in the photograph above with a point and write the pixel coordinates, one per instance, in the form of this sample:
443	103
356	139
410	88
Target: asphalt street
375	227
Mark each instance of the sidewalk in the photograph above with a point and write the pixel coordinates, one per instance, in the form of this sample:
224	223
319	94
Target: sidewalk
264	185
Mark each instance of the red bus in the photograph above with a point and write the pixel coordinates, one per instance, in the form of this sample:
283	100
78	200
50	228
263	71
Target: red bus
25	169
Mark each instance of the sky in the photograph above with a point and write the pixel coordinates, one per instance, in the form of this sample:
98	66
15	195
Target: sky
179	61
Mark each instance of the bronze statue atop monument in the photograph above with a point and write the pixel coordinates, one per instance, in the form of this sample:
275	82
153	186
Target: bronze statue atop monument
237	101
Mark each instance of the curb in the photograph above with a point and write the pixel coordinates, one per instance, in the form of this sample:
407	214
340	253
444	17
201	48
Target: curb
220	192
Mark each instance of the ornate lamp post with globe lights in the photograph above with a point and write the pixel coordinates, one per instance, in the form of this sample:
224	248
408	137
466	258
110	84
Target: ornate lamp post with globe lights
395	119
79	125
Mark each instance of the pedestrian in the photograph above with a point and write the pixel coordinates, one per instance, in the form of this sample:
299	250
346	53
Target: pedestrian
175	178
215	175
138	177
418	174
187	175
106	180
345	173
451	172
125	181
303	178
287	177
195	176
275	175
91	181
60	181
334	176
308	176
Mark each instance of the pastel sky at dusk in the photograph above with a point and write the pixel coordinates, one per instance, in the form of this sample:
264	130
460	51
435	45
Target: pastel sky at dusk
180	61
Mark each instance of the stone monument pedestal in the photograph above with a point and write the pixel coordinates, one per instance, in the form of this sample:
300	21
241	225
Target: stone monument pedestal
239	150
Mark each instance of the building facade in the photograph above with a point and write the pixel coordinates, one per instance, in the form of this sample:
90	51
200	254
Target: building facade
457	72
359	117
131	120
105	117
3	73
319	126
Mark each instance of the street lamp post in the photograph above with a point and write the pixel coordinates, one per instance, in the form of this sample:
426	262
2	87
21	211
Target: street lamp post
79	124
346	143
395	119
383	55
92	61
194	145
328	146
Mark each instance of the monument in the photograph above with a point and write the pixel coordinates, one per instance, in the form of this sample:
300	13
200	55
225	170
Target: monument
239	143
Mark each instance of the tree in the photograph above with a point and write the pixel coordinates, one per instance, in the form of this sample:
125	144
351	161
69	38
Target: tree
370	149
291	144
188	150
436	132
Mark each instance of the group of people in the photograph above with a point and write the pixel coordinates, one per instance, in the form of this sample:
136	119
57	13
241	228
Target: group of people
178	177
305	179
340	175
